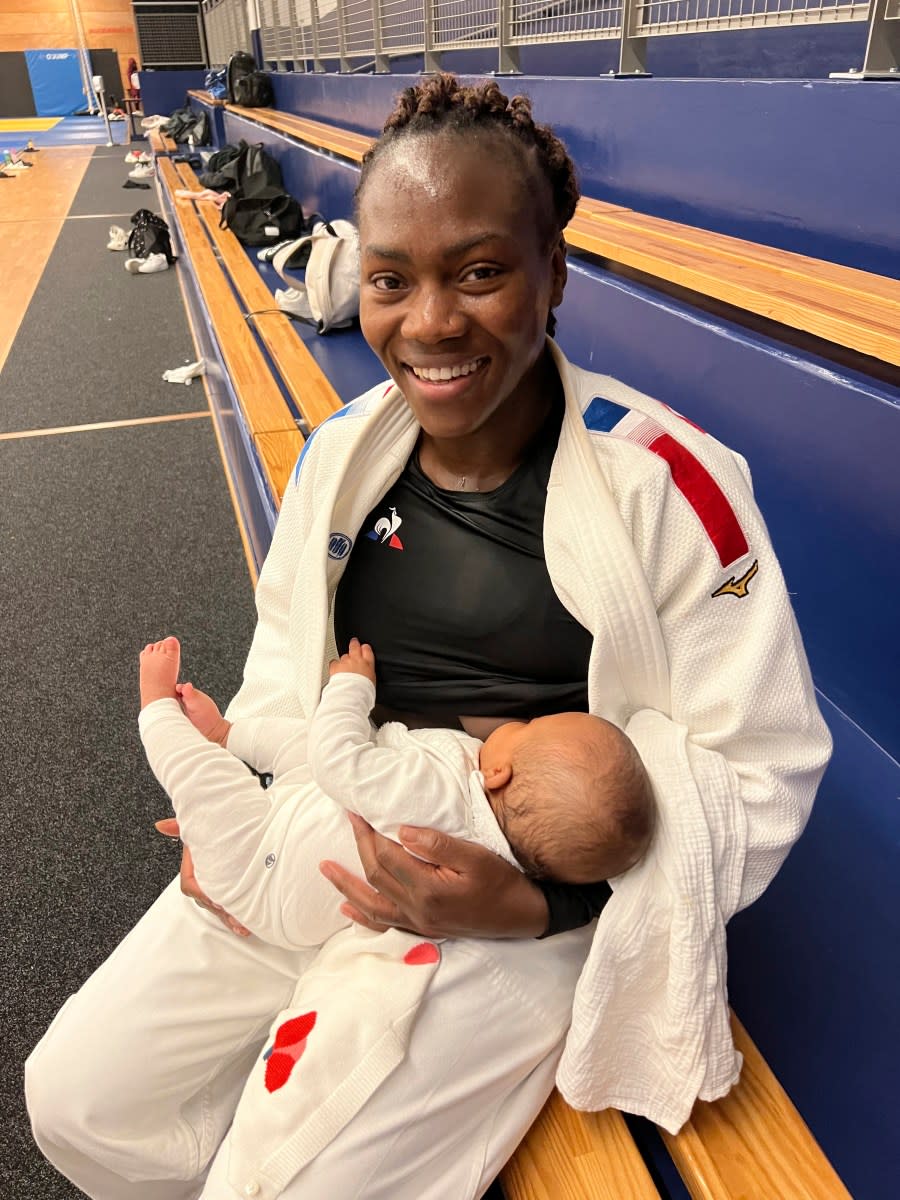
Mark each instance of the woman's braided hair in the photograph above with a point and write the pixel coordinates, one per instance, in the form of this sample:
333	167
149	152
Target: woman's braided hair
441	103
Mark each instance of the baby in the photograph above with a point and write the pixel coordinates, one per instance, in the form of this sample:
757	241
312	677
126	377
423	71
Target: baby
563	797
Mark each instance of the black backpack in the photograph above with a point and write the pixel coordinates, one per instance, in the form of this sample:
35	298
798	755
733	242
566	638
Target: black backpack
259	172
254	90
270	215
149	235
241	63
223	168
243	168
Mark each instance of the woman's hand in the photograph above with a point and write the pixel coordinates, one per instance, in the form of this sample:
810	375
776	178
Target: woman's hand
462	890
191	888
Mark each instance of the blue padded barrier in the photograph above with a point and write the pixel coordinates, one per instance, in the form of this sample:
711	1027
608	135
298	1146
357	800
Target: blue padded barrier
164	91
806	166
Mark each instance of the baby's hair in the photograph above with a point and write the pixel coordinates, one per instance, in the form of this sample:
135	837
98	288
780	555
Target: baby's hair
441	103
596	840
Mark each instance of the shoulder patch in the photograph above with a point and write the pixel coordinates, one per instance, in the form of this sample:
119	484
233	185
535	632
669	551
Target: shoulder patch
690	476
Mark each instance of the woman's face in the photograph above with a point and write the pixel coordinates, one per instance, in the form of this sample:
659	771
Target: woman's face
457	277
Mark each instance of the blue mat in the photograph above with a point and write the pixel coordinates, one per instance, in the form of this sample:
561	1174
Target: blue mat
71	131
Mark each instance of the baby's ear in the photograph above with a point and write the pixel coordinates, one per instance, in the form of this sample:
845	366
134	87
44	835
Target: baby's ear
497	777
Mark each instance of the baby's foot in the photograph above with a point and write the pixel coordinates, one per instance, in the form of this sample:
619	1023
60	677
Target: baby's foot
160	662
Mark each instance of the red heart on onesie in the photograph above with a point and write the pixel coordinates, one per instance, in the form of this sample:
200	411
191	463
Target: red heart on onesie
290	1043
425	952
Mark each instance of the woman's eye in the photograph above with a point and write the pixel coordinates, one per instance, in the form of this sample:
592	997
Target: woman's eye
479	274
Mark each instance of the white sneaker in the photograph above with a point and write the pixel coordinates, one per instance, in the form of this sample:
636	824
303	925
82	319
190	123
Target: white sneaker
138	156
147	266
142	171
118	238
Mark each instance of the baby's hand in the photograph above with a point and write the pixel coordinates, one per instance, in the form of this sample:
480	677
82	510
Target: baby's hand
359	660
203	713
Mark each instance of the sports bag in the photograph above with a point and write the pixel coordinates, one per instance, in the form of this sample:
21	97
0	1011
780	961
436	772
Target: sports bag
269	216
241	63
149	235
215	83
244	168
329	299
254	90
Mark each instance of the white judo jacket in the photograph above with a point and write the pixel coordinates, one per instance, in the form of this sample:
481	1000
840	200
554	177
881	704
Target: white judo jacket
654	543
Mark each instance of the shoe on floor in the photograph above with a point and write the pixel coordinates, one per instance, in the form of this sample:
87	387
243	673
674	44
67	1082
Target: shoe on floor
133	183
142	171
118	238
147	266
138	156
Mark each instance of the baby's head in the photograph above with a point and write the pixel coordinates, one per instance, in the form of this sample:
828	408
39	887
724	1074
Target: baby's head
571	795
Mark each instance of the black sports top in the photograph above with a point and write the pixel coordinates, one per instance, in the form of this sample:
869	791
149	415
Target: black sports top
452	591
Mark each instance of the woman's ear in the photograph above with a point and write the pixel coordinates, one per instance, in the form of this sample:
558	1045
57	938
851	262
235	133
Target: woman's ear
560	272
497	777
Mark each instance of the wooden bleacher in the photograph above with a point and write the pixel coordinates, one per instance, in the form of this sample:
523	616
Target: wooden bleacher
160	143
753	1145
853	309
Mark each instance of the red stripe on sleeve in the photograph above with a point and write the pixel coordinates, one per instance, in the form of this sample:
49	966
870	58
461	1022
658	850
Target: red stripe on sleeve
705	497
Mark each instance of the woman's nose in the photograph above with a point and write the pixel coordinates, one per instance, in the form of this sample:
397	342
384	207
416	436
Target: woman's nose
433	316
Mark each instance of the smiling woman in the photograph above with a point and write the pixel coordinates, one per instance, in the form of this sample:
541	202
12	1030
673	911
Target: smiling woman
514	537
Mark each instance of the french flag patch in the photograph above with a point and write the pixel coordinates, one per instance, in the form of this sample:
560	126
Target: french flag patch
689	475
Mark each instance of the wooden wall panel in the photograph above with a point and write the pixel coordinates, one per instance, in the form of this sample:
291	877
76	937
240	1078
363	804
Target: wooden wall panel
48	25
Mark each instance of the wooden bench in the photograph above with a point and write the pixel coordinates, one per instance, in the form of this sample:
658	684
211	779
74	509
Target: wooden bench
752	1144
160	143
852	309
205	98
308	387
265	413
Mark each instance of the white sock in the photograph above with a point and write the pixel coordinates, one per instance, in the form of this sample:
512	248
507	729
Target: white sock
185	374
118	238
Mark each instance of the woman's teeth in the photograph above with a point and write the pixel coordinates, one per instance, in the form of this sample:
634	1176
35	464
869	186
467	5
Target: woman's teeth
442	374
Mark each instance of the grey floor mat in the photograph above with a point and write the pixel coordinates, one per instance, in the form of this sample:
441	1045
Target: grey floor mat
110	538
95	340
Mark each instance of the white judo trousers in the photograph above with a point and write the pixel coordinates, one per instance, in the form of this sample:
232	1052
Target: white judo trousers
133	1089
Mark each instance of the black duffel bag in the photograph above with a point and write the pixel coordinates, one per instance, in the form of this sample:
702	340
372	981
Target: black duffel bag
254	90
269	216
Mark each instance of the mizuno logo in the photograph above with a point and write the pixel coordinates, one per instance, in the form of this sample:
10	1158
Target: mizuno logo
738	587
385	530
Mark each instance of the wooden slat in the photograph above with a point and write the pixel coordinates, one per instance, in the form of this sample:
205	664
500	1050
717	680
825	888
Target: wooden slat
279	450
753	1143
815	271
859	323
308	386
160	144
262	404
344	142
569	1155
205	98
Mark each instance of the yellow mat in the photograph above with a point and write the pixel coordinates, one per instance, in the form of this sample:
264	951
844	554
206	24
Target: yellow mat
27	124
